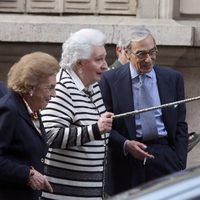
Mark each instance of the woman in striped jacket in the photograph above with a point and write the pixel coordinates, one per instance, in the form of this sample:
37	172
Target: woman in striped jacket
76	122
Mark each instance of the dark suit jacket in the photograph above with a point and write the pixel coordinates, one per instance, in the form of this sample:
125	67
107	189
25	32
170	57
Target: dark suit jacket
3	89
21	146
116	88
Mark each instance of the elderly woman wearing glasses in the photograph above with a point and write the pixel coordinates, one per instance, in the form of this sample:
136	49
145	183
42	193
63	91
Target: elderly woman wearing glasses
152	144
23	144
76	122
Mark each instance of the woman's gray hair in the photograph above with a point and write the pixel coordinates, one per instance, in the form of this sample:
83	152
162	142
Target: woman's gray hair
30	71
79	46
136	34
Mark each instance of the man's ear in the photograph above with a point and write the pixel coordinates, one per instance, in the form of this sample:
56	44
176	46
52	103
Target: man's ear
126	50
127	53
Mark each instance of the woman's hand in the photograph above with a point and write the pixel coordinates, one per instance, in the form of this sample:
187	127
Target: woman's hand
105	122
37	181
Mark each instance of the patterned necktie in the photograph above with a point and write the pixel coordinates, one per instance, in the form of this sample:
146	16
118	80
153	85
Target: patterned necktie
147	119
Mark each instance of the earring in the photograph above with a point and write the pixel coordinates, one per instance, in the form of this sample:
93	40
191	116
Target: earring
31	93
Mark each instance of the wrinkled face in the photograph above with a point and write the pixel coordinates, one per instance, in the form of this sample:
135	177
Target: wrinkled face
43	93
143	55
93	68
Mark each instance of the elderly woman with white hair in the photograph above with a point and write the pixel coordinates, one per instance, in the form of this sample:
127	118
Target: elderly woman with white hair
76	121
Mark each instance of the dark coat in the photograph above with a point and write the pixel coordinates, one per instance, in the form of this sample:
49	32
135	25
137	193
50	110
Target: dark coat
21	146
3	89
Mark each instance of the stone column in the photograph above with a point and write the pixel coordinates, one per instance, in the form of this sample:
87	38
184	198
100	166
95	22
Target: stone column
166	8
160	9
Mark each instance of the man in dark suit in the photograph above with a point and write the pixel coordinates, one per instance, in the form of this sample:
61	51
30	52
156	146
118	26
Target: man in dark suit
138	156
3	89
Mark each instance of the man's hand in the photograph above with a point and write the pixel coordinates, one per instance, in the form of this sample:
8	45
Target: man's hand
137	150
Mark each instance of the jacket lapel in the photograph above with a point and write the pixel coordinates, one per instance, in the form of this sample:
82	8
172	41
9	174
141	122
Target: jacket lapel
22	110
124	95
163	86
166	96
43	132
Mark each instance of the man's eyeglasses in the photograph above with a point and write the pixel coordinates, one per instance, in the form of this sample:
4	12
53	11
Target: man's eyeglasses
142	55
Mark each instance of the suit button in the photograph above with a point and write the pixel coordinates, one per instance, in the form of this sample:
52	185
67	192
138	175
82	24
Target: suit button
42	160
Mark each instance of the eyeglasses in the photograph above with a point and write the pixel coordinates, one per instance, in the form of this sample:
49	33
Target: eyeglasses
142	55
50	88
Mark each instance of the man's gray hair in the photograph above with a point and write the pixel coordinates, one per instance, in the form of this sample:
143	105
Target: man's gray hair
79	46
136	34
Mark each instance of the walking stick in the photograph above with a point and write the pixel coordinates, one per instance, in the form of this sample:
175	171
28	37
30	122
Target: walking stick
176	103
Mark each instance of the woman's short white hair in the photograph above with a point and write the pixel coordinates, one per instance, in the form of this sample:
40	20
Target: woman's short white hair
79	46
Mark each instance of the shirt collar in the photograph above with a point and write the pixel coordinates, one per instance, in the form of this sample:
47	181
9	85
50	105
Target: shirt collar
78	81
34	115
28	107
134	73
